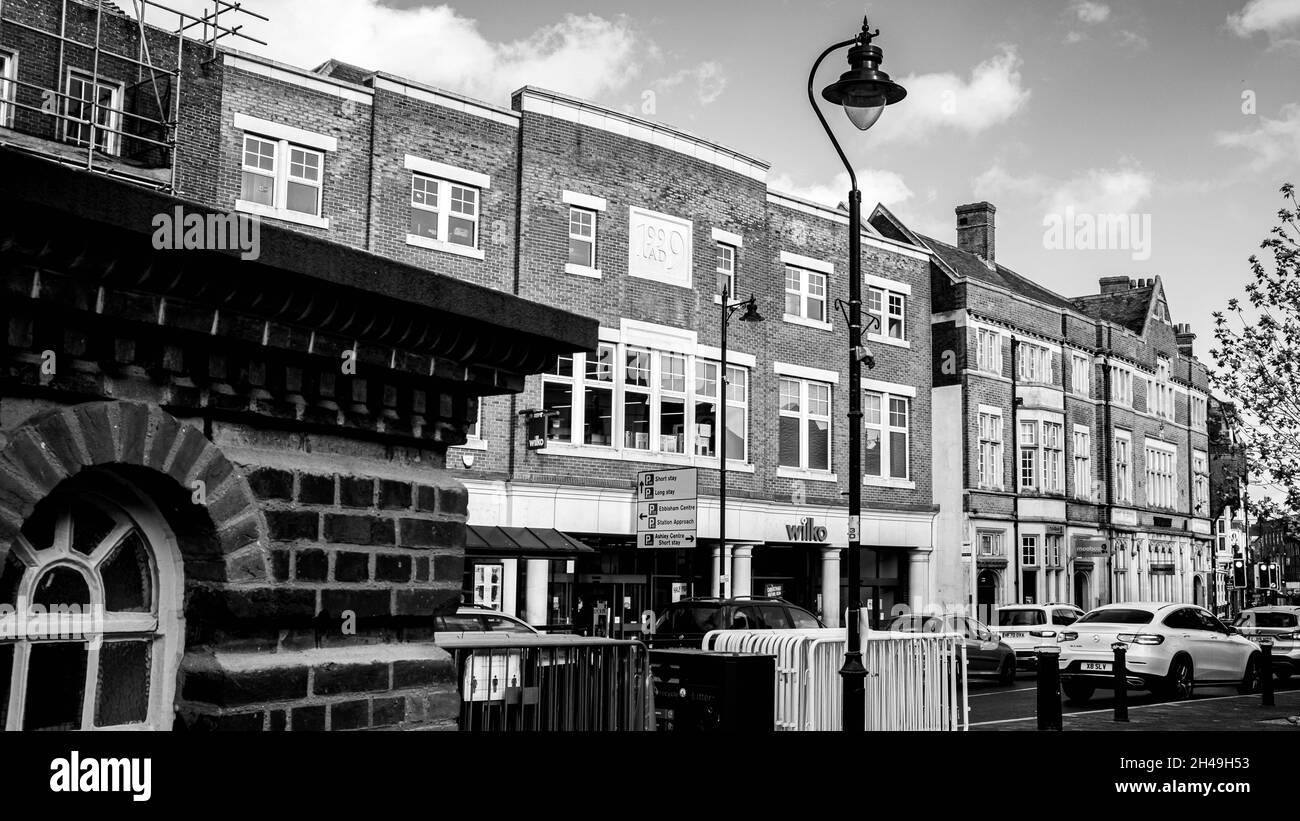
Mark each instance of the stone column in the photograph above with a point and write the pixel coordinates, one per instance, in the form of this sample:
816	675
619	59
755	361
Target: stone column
918	587
741	574
537	586
831	586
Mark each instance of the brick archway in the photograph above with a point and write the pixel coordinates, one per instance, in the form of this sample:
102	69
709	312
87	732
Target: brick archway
56	445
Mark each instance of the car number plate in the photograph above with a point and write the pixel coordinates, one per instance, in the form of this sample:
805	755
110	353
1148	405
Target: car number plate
1013	635
1096	666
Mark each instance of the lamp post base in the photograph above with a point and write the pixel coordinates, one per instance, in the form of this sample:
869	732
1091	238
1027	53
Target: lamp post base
855	692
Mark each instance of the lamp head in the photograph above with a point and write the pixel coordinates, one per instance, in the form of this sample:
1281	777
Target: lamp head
751	313
864	90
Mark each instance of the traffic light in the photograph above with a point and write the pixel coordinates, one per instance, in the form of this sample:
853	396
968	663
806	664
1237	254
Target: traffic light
1273	581
1238	573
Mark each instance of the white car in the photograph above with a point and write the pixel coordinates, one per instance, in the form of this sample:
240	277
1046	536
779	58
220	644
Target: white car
1027	626
479	621
1282	624
1171	648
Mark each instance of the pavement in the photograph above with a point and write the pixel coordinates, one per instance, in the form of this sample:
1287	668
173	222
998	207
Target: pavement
1235	712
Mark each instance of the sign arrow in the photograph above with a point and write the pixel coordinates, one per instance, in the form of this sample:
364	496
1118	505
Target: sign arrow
690	538
642	516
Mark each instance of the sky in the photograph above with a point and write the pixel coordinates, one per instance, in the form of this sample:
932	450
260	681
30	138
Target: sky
1181	118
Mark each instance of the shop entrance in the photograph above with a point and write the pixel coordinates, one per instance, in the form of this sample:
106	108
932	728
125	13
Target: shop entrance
1081	598
986	595
609	605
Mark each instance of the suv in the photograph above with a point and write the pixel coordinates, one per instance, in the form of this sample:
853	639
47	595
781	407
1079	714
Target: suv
1026	626
1280	623
684	623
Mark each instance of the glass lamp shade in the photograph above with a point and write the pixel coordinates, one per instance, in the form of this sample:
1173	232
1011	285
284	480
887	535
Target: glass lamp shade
864	113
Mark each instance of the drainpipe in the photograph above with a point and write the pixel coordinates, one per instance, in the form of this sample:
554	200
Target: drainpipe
1015	465
1108	464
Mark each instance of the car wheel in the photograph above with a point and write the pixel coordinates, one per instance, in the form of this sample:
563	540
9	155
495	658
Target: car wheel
1250	679
1078	692
1007	674
1179	684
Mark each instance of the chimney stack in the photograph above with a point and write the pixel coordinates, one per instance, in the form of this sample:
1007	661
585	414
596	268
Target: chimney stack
1113	285
975	229
1184	338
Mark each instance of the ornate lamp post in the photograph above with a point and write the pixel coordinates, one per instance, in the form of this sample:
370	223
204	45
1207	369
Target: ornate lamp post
864	91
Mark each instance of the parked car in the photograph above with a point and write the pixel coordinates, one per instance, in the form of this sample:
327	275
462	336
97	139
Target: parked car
1026	626
474	621
684	623
1172	648
1282	624
986	654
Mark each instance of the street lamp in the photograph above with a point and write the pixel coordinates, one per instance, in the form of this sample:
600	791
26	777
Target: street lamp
864	91
751	314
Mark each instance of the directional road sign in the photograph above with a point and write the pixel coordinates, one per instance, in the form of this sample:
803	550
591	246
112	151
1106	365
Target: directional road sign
666	508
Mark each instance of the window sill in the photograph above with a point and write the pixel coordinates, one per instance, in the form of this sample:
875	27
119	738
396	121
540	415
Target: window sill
446	247
808	323
281	214
889	340
581	270
784	472
473	443
883	481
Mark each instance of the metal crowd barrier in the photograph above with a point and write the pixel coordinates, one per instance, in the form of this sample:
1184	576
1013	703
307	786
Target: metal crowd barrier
914	681
535	683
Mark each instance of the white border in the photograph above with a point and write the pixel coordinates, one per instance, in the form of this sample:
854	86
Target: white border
892	388
728	238
888	284
583	200
811	263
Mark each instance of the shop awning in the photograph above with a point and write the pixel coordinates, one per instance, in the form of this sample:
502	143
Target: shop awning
533	542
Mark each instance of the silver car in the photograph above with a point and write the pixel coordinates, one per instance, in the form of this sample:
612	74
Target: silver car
1280	623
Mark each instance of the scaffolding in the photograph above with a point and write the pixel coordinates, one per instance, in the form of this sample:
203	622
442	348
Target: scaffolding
100	121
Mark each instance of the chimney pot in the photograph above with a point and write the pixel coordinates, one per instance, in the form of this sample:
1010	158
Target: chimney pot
975	229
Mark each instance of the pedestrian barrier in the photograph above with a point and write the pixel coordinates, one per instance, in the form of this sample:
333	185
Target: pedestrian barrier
914	681
534	683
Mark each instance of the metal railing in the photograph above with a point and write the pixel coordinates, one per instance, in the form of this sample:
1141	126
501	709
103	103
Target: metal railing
915	681
552	683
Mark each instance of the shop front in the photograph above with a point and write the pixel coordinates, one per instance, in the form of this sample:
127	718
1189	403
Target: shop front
527	572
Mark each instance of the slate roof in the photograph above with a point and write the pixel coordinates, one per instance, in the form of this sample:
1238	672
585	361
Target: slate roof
970	266
346	72
1129	308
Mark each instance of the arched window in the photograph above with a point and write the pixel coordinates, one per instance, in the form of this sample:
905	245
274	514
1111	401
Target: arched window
90	632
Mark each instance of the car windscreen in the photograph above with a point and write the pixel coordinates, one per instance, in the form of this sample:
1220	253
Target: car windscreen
689	620
1116	615
1266	619
1020	618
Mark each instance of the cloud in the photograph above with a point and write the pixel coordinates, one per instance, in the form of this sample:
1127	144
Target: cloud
1073	37
877	185
1270	16
1271	141
1133	40
1095	191
585	55
993	94
1091	13
707	80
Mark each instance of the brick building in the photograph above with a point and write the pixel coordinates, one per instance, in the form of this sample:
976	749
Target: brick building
224	464
1069	436
590	210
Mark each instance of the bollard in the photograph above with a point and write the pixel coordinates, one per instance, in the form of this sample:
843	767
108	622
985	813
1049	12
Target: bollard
1120	671
1266	671
1049	687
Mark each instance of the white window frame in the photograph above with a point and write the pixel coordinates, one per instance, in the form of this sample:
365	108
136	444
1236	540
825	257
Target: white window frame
592	270
1027	444
804	294
805	416
1123	467
1034	363
1080	375
725	255
885	425
996	541
1082	453
162	623
1029	550
112	139
990	467
988	351
281	176
737	386
8	88
1054	550
1121	386
1198	411
1160	394
447	178
1161	461
890	300
1200	483
1052	444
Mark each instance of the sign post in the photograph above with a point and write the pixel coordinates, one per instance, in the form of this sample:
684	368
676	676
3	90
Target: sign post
666	507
